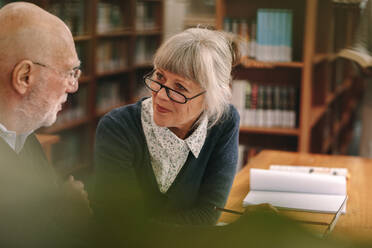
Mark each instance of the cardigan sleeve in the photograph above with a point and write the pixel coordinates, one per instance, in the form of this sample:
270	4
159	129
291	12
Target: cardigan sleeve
116	197
217	179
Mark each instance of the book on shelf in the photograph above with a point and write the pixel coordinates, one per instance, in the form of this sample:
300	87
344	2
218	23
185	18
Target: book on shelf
108	95
112	55
274	35
110	18
268	37
145	49
72	12
265	105
294	190
360	56
145	16
245	29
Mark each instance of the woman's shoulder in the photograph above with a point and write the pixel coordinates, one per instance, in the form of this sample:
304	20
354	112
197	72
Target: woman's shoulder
230	117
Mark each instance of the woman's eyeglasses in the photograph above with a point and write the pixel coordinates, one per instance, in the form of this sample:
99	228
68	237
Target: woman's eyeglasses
174	95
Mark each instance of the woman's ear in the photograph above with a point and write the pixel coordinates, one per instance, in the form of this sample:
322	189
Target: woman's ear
21	76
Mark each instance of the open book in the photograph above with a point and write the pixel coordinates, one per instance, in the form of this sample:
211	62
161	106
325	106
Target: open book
360	56
297	191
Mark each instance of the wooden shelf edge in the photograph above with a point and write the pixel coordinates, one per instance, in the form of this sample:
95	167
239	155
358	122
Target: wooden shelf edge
267	130
153	31
317	114
63	126
85	79
251	63
83	37
118	33
114	72
100	113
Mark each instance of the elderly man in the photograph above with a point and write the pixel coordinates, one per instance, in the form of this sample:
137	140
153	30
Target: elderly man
39	67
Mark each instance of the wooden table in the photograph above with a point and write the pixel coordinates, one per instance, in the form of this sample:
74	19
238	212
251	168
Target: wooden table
356	223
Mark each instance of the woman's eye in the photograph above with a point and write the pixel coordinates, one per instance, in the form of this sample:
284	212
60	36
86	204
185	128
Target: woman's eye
159	76
180	87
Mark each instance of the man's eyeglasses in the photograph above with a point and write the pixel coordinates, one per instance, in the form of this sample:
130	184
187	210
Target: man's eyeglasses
171	93
73	75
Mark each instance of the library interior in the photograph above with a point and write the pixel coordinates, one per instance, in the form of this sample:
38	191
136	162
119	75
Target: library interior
303	107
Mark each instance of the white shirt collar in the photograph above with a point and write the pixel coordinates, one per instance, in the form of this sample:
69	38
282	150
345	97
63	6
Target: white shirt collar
168	152
16	142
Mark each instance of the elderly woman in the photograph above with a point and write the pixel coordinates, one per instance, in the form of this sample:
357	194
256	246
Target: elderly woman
177	151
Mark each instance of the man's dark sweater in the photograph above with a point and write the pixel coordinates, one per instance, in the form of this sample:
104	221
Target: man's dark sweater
35	209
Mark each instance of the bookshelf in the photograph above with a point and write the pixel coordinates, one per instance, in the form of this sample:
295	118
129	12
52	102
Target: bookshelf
115	40
328	88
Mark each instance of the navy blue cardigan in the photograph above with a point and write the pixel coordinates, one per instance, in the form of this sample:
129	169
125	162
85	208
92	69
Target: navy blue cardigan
124	176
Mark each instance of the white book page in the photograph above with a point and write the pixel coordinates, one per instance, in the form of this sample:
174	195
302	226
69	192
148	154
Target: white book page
297	201
269	180
311	169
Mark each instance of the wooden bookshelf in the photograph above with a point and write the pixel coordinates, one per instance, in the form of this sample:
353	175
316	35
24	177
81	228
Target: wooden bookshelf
329	90
119	30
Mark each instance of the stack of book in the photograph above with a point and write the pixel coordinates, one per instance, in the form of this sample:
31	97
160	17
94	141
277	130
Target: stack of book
265	105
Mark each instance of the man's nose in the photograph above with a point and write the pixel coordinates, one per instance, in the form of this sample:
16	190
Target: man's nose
73	86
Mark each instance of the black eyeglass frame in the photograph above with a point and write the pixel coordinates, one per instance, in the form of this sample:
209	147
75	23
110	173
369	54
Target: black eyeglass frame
167	89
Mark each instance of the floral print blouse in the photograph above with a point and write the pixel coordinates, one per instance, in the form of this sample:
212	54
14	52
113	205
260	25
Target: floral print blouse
167	151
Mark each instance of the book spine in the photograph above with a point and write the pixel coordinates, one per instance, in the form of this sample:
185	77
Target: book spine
254	99
269	106
238	98
284	107
260	36
248	105
253	39
292	108
277	107
289	17
260	106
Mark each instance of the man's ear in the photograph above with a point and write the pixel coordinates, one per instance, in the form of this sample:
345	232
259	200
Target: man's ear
21	76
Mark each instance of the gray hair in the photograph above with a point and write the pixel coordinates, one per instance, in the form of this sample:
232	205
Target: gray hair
205	57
